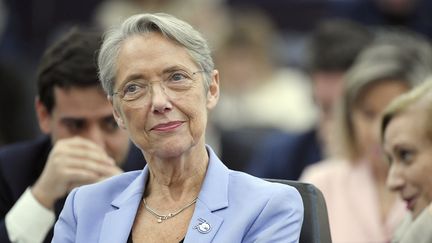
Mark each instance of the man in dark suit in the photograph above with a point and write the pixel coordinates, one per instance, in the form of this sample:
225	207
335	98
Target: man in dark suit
82	144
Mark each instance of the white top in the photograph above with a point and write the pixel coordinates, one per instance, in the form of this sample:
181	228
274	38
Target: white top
418	230
28	221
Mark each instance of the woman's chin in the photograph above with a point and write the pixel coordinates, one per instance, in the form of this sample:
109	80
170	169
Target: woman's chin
169	147
418	209
172	150
415	213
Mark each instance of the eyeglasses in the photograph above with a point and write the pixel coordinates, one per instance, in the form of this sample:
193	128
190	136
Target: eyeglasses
173	84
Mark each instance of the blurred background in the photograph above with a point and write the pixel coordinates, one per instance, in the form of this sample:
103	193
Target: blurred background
261	48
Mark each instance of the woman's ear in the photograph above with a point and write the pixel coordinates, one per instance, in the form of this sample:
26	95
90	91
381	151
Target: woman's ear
213	91
43	116
116	114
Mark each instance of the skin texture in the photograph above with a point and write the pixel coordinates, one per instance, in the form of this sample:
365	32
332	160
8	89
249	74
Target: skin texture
409	151
366	118
88	145
168	125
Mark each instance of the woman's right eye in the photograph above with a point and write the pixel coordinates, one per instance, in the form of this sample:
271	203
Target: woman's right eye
131	88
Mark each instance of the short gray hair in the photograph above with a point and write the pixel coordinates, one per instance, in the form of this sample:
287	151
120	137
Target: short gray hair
165	24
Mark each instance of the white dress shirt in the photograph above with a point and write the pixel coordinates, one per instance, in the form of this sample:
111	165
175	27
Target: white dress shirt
28	221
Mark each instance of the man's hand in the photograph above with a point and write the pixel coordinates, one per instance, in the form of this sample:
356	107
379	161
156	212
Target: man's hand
71	163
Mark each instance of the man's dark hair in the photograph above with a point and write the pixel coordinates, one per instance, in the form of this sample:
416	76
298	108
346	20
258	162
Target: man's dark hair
69	62
335	44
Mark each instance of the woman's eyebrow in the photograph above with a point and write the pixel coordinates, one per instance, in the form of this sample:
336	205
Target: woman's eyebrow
134	76
172	68
166	70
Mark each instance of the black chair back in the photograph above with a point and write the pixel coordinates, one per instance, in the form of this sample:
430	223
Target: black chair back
315	228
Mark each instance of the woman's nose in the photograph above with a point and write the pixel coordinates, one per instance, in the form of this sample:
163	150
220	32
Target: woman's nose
395	180
160	98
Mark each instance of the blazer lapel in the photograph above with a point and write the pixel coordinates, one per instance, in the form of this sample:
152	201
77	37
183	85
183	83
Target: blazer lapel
204	224
118	223
213	197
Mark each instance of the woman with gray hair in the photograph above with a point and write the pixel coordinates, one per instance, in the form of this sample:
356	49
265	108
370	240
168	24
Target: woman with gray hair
406	131
159	77
360	207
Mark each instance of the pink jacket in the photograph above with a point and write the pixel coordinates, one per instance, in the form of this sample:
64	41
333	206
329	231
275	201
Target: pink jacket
352	202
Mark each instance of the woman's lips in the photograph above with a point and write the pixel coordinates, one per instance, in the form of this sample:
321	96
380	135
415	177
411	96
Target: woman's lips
169	126
410	203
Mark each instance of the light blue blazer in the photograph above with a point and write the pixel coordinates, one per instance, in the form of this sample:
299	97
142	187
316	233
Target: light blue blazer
232	207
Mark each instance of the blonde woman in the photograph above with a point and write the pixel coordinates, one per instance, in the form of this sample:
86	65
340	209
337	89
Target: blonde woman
360	207
407	139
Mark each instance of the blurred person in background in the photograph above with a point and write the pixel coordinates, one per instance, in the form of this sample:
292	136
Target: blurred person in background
406	131
258	94
360	207
256	91
333	48
82	145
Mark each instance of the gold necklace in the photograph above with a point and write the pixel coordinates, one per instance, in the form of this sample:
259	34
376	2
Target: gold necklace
162	217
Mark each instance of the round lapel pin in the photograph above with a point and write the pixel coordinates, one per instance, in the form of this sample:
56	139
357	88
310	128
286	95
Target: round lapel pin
203	227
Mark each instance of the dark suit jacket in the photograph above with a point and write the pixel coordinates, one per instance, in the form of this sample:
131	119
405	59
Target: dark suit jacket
21	165
285	155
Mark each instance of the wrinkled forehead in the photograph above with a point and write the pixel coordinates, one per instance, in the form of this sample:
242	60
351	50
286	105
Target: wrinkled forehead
151	53
407	126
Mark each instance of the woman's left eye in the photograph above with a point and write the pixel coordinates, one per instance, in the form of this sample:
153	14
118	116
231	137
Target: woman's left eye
178	77
406	155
